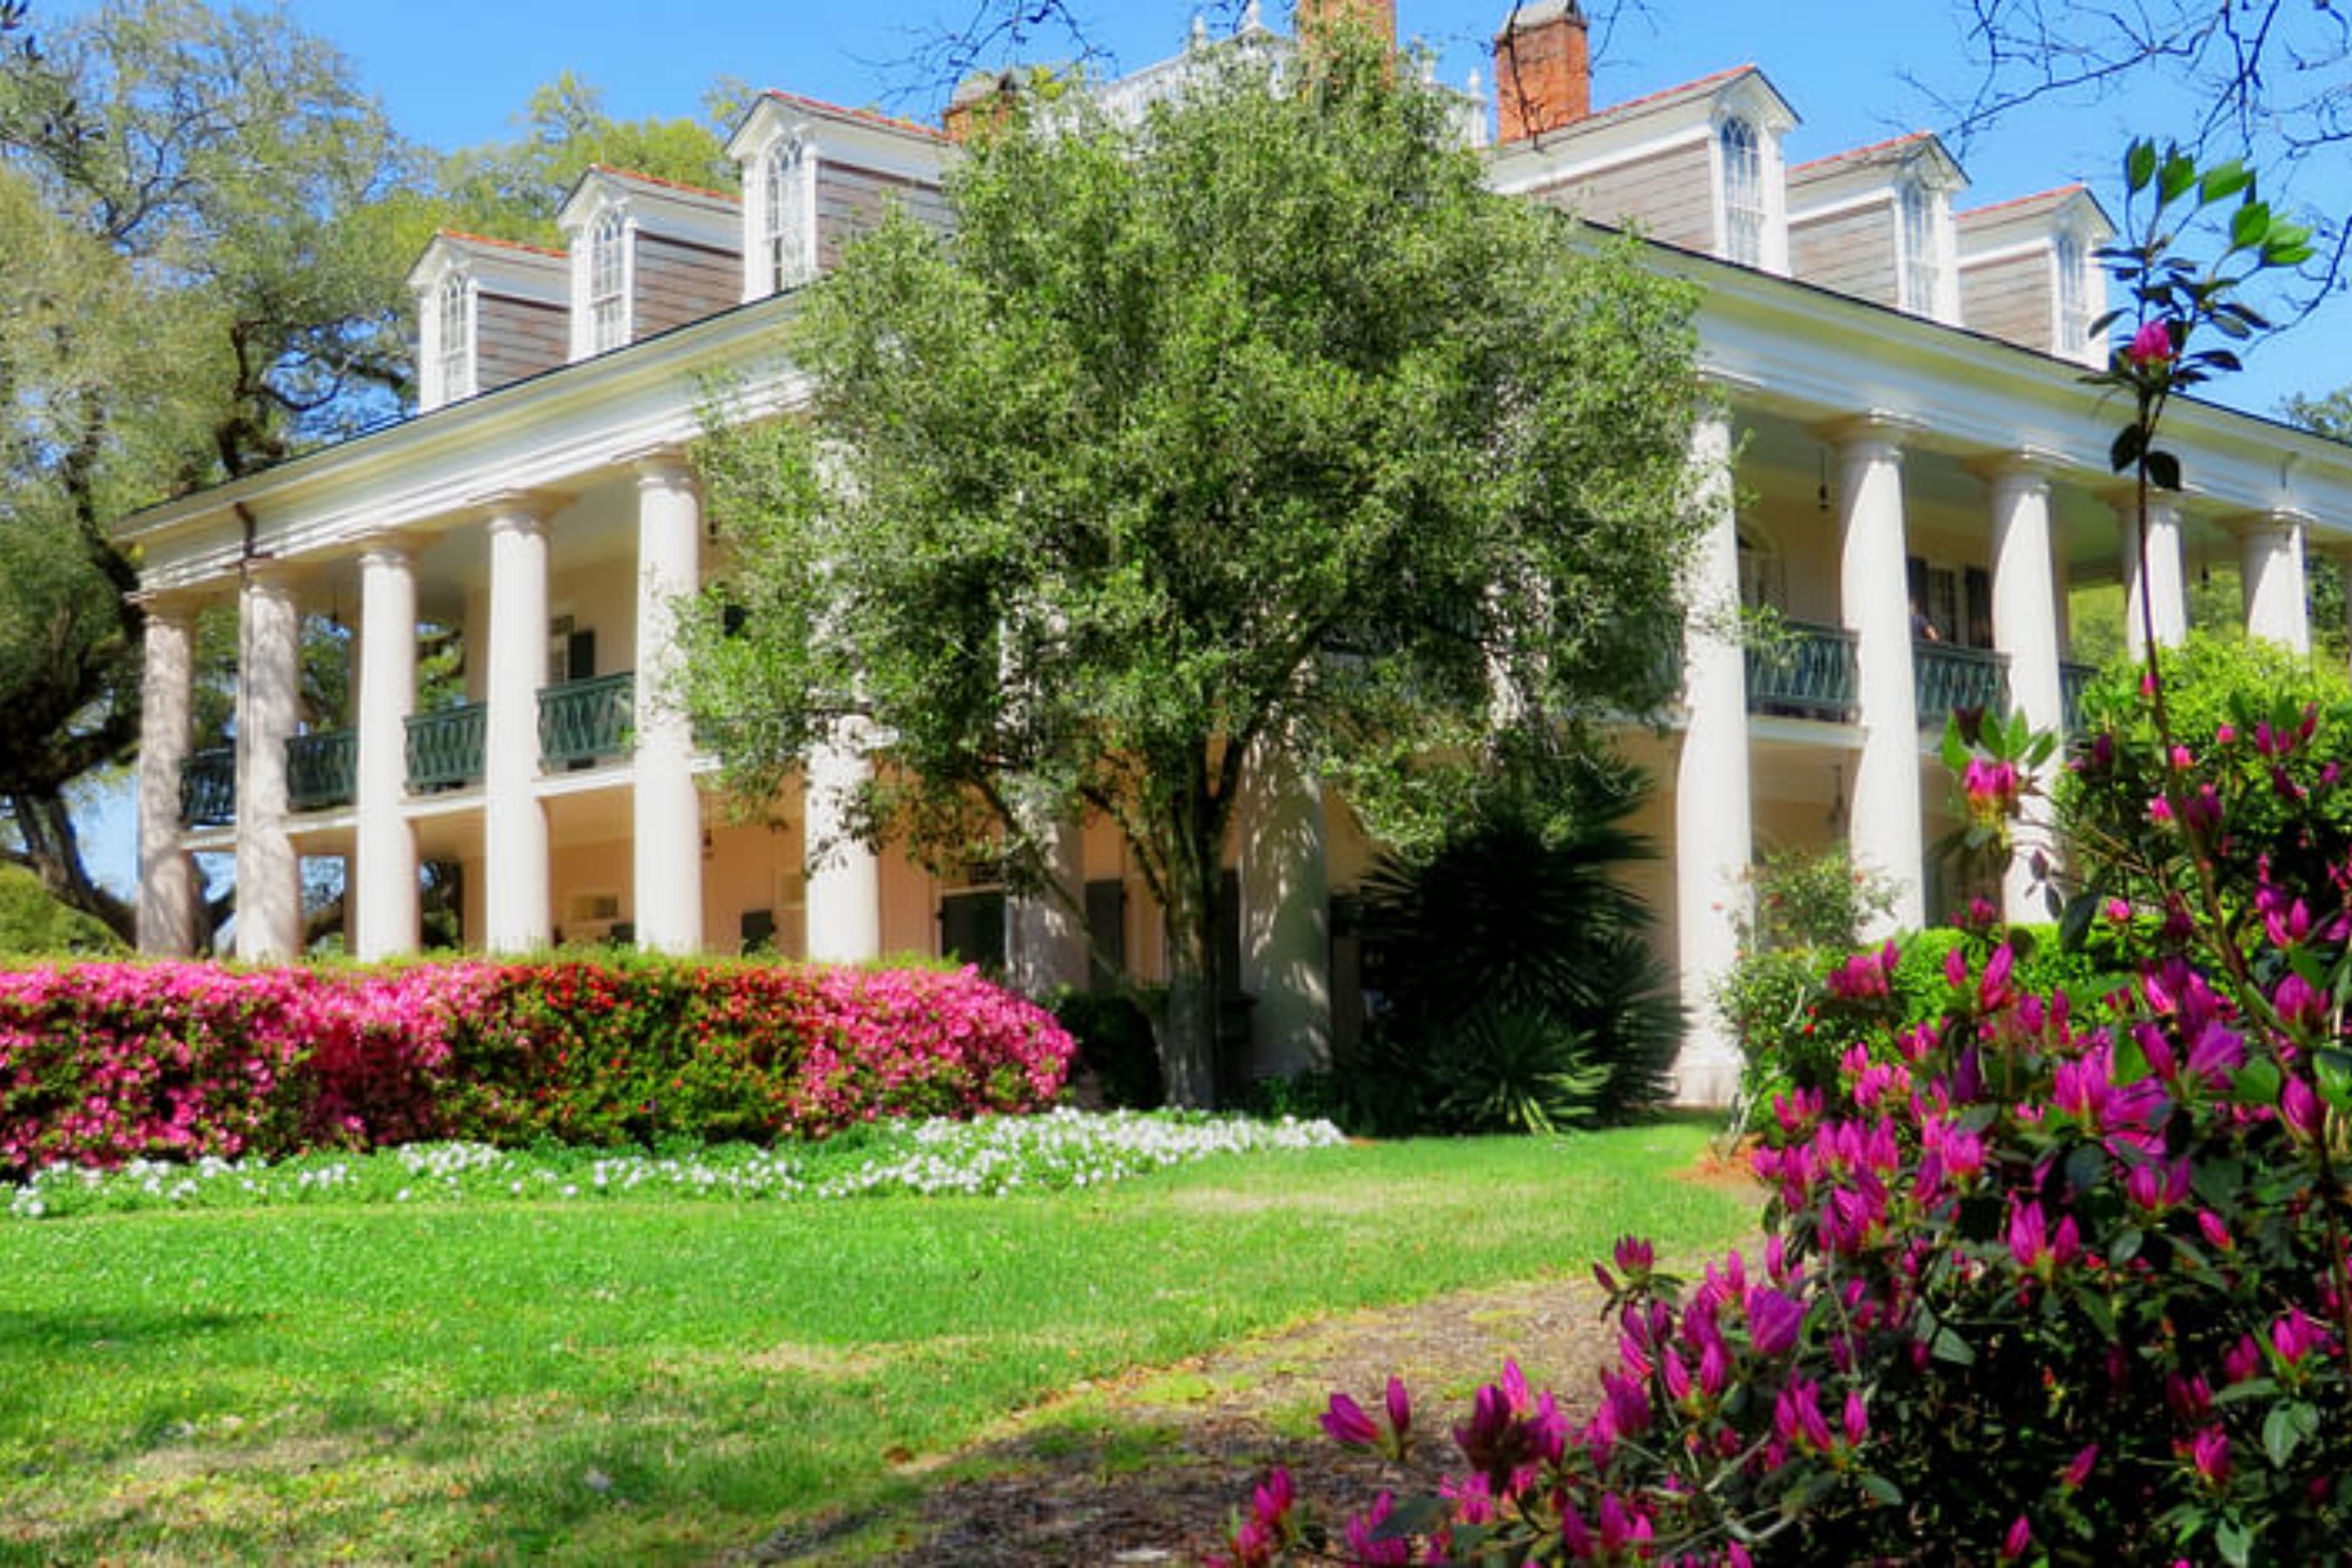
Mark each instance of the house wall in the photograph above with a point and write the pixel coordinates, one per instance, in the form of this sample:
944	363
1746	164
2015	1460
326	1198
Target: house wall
851	201
1851	251
679	281
515	338
2010	299
1669	195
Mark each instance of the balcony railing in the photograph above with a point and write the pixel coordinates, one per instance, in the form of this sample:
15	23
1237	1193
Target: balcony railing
208	788
321	769
586	720
2074	679
1946	677
1806	671
444	749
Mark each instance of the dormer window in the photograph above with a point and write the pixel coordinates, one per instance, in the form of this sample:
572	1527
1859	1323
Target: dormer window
1743	192
453	357
1923	271
608	283
785	232
2071	317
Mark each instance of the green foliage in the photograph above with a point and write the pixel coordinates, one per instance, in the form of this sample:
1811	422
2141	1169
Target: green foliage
34	925
1812	899
1261	424
1519	991
514	188
1115	1043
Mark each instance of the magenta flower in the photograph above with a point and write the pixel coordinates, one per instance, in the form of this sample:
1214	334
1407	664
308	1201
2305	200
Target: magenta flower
2078	1468
1348	1425
2151	347
2296	1336
2209	1453
1366	1545
1773	1321
2300	1108
2020	1537
1400	1404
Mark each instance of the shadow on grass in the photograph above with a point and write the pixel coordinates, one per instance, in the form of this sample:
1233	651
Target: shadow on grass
117	1330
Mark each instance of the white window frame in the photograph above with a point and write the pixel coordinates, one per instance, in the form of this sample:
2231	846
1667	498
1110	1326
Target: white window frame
452	348
1744	214
2070	299
1921	273
787	215
608	281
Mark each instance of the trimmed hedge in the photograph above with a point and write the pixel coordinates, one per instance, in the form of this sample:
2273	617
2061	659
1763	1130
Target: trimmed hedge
102	1063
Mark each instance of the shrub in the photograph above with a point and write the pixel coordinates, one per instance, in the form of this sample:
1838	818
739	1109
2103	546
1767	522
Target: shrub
34	923
102	1063
1116	1044
1520	992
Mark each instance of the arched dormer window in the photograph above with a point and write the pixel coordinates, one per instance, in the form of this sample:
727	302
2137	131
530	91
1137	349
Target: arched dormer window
453	358
608	283
1743	192
785	249
1923	262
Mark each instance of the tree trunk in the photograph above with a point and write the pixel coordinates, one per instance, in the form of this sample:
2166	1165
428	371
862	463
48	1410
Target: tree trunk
1188	1046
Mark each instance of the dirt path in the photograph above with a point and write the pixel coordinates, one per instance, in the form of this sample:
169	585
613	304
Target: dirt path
1147	1470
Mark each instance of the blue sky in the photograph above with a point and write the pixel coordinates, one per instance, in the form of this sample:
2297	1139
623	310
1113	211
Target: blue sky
454	72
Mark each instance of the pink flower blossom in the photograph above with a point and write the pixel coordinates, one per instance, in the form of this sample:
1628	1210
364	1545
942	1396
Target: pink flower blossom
2151	347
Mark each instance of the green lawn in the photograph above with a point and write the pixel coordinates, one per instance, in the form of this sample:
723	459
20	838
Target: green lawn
655	1380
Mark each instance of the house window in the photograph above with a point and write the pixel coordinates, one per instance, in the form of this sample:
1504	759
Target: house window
454	364
2069	295
1923	271
1743	192
608	297
784	242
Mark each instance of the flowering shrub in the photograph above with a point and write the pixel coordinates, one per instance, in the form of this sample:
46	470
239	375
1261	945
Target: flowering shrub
100	1063
2043	1281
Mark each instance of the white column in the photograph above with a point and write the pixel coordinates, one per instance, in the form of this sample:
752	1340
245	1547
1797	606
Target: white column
1874	593
168	888
1712	807
268	668
514	823
2276	606
845	876
1286	888
2025	628
667	856
384	902
1045	933
2166	584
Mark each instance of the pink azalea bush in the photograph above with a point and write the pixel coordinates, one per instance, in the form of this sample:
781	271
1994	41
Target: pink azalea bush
2048	1278
102	1063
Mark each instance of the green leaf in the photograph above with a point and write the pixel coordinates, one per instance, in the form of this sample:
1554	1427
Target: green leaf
2164	469
1881	1488
1949	1346
1955	751
2075	923
2257	1083
2139	166
2236	1542
2249	225
2173	181
2285	1427
2224	181
2130	441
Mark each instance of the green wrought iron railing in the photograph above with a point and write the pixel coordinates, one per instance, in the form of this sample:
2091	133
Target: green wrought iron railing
1804	671
1945	677
2074	679
444	749
586	720
208	788
321	770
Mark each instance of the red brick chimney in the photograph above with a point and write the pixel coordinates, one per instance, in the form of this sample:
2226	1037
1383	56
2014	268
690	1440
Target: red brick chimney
1543	68
1377	16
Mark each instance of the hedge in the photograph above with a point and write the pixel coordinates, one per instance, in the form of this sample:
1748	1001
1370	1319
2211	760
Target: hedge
105	1062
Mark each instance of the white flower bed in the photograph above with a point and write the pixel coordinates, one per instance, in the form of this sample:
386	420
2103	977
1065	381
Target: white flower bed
988	1158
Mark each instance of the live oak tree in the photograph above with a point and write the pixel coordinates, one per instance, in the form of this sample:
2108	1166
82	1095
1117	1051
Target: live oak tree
1259	426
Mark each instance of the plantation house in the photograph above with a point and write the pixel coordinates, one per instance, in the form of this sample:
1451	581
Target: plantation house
1919	479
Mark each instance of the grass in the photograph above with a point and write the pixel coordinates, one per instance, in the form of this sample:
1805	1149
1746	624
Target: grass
653	1381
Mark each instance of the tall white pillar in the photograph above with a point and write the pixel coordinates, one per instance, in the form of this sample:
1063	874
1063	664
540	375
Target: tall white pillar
2277	607
1044	931
1874	593
845	876
666	855
384	850
2025	628
1285	926
168	888
1713	812
514	823
269	671
2166	584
